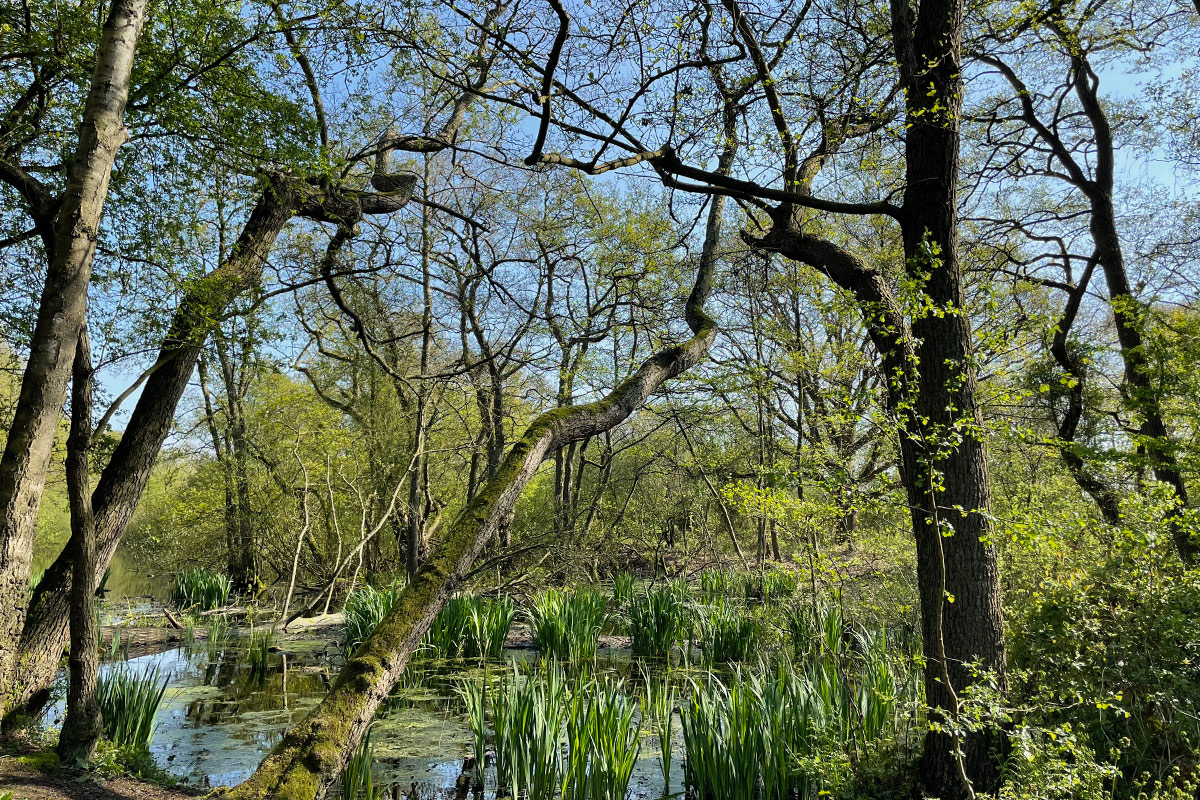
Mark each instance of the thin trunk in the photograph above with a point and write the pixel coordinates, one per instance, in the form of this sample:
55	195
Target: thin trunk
83	725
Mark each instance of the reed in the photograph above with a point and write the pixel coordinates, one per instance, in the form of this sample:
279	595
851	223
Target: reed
658	620
471	627
219	629
527	716
365	609
727	633
258	652
566	626
660	709
722	584
757	736
357	780
622	591
603	742
200	588
129	703
474	695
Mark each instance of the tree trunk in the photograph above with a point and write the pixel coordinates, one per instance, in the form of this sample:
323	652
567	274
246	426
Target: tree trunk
124	478
59	324
82	727
945	467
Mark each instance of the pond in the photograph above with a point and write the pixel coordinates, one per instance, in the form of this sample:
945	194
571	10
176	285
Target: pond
221	714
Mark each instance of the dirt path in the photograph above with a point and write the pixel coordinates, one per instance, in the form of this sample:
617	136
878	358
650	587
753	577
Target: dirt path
27	782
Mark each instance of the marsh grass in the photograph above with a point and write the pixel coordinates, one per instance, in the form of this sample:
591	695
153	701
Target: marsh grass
219	629
357	780
471	627
793	727
727	633
658	621
258	652
566	625
660	710
475	695
622	593
719	584
129	702
527	717
200	588
603	741
365	609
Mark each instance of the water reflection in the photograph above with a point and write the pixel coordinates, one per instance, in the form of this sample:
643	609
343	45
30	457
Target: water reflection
222	713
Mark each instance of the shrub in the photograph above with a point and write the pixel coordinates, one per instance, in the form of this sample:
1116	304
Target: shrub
1113	648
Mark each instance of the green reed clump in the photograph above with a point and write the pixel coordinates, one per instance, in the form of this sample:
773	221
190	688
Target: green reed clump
527	716
365	609
727	633
200	588
475	695
129	702
566	625
357	781
658	620
471	627
660	710
447	633
219	628
717	584
789	728
258	652
603	742
622	591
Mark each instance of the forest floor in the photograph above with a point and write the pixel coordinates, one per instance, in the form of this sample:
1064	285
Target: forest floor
29	782
36	776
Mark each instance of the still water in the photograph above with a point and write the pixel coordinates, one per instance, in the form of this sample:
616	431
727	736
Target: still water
221	714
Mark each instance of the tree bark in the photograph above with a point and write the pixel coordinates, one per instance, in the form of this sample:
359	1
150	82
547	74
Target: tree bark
83	724
60	321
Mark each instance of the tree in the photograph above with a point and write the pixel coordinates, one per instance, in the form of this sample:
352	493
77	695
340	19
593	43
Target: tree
68	226
917	320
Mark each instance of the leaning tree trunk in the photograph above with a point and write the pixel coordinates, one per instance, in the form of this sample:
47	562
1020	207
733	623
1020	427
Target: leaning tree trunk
59	322
312	755
82	727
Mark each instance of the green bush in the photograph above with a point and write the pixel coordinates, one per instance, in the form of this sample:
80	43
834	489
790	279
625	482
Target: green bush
1113	648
